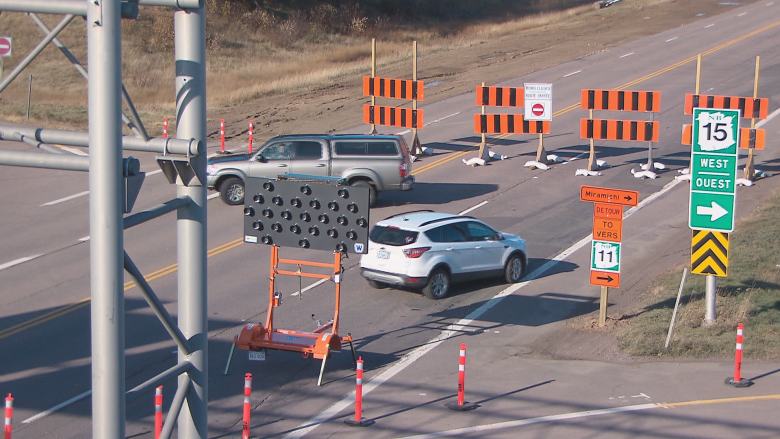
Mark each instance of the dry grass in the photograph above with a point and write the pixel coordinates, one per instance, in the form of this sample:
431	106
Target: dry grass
749	295
250	55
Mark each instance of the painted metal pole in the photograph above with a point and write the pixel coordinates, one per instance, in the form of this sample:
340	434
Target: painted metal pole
247	405
222	135
158	415
373	75
251	134
29	94
165	128
359	421
461	404
9	416
738	381
709	299
106	185
190	55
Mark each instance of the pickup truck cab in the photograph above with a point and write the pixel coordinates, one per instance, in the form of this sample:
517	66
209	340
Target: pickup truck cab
378	162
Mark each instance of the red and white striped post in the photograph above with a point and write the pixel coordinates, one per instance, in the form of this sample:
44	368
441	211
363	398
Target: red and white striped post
251	134
247	405
222	135
158	418
358	421
461	404
9	416
165	128
738	381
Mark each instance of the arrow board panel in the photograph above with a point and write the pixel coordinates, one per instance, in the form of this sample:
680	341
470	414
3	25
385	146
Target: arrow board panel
710	253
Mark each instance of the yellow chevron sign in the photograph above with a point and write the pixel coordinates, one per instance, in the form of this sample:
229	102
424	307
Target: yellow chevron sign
710	253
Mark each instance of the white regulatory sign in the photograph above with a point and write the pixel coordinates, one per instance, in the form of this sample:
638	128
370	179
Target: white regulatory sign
538	101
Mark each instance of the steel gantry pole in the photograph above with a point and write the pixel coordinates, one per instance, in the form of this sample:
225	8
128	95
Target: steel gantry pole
106	245
190	54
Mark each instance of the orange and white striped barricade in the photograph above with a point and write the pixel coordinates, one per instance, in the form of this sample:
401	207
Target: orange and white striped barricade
622	130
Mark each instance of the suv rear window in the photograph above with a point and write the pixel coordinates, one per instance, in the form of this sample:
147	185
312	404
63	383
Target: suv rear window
392	236
386	148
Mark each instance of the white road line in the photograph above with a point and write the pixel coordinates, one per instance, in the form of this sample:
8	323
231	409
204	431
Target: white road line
45	413
17	262
456	328
578	156
770	3
73	150
62	200
768	118
671	39
709	25
539	420
572	73
741	14
315	284
474	207
628	54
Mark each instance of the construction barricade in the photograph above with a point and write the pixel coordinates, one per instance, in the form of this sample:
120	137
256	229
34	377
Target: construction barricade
394	89
623	130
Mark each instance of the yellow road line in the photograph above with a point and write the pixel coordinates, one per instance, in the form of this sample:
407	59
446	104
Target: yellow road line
626	85
233	244
86	301
718	401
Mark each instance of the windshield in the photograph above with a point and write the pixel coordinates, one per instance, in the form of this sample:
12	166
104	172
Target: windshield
392	236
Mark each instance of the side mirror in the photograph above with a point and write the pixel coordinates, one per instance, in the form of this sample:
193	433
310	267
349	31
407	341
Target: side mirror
260	158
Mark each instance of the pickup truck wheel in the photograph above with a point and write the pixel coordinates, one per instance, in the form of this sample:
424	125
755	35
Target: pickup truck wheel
232	191
371	190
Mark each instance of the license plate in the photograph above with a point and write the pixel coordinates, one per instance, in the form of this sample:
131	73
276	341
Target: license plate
382	254
257	356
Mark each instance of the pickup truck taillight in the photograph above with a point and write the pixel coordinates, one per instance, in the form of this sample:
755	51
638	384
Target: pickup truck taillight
402	169
414	253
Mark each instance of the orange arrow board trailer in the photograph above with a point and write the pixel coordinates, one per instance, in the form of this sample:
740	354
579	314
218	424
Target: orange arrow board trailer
611	196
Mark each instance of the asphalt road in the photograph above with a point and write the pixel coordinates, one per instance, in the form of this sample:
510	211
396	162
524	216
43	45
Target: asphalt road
410	343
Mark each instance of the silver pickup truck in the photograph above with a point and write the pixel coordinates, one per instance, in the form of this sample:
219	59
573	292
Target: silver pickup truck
378	162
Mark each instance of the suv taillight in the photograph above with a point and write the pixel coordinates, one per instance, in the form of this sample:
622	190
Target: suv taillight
402	168
414	253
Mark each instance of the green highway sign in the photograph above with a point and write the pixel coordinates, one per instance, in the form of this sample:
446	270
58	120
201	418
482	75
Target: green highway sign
605	256
714	169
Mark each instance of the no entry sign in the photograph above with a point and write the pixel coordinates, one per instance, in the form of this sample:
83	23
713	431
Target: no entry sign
538	101
5	46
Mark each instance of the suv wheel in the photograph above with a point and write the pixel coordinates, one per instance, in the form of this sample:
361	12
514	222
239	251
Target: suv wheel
438	285
371	190
514	269
232	191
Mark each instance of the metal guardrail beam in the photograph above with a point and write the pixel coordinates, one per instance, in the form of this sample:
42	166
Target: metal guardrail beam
77	138
128	10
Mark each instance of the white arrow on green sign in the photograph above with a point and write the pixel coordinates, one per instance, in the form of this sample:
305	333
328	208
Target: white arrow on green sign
714	169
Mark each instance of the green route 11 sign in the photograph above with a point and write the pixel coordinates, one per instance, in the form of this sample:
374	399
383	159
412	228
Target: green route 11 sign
605	256
714	169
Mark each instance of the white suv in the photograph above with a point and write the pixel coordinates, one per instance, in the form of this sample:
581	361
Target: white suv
428	250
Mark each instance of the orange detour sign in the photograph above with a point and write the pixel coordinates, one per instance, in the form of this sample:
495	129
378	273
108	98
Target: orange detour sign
607	229
612	196
604	279
608	211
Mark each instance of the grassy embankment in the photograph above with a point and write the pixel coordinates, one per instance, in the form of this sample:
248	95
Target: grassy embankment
750	294
282	47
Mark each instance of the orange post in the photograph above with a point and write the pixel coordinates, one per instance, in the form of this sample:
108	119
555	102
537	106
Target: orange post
158	418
